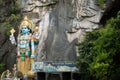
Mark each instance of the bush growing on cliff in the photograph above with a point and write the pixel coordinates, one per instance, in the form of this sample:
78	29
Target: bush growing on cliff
101	3
100	53
2	68
10	14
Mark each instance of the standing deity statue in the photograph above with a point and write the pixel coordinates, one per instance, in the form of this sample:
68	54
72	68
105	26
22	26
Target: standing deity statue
26	40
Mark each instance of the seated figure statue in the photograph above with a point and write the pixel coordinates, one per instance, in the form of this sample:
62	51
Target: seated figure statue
25	45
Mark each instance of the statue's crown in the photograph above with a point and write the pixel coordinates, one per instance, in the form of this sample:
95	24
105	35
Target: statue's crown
26	22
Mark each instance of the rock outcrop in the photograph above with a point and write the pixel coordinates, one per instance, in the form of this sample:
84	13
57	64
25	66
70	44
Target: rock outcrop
62	24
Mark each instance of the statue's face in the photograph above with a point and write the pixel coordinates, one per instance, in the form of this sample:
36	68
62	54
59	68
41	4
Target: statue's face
25	30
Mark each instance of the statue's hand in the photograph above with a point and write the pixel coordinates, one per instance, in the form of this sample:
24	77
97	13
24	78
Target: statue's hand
32	56
36	35
12	39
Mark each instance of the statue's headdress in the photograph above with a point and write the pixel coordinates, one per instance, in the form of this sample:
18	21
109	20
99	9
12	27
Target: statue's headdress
27	22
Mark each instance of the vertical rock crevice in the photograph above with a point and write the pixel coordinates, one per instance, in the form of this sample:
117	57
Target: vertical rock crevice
62	23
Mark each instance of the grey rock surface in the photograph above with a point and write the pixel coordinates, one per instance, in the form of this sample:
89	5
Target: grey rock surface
7	51
62	24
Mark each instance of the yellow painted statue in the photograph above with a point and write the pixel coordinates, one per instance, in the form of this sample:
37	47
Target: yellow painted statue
25	45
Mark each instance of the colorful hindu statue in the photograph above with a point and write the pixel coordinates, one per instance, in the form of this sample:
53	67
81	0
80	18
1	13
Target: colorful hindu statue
27	37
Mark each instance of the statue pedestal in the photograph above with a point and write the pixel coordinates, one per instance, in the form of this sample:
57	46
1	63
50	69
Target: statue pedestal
55	70
58	76
11	79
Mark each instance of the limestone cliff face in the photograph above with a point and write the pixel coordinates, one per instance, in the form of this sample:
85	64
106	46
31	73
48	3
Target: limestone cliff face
62	24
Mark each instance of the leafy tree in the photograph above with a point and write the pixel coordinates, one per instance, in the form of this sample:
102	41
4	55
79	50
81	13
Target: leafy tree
100	53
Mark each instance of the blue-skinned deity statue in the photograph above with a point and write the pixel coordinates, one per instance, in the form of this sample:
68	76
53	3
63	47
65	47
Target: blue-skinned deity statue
27	37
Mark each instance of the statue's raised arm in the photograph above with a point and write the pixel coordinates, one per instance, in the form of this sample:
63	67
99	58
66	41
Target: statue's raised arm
12	38
27	37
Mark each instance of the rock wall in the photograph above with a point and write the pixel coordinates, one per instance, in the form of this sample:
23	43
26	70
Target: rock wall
8	9
62	24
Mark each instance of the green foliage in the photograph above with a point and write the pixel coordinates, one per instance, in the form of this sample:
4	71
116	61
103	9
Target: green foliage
2	68
100	53
87	53
8	27
10	14
101	2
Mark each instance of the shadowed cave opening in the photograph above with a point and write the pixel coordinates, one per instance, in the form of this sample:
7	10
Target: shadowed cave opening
111	11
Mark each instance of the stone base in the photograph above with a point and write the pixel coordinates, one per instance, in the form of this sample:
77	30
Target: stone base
58	76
